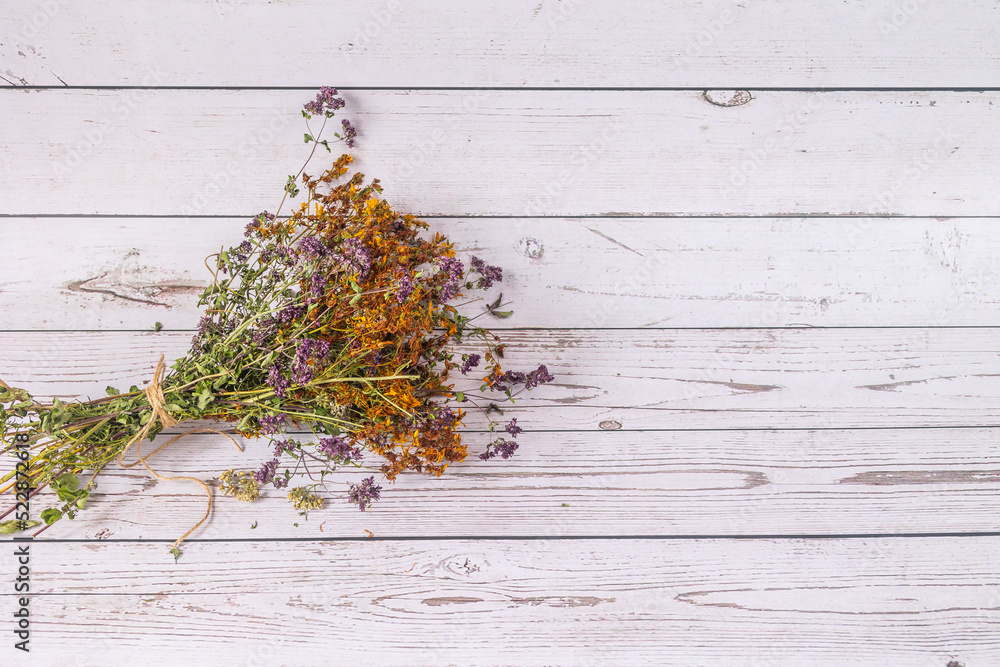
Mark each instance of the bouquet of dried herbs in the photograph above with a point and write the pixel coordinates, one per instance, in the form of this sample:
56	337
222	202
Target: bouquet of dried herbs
338	320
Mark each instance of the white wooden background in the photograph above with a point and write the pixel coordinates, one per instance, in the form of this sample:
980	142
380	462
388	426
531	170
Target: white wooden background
754	240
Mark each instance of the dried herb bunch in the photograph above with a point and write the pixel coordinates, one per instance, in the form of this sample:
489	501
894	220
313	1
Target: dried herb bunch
338	320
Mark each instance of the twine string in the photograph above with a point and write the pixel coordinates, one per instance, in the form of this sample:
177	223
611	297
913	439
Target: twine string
156	400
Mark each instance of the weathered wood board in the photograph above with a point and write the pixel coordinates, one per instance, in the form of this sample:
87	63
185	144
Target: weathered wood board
526	602
550	43
755	242
510	153
643	379
565	484
127	273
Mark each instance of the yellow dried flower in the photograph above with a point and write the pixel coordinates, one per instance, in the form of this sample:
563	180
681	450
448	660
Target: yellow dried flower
303	499
240	485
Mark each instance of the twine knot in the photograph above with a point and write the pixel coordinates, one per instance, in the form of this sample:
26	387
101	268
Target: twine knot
157	402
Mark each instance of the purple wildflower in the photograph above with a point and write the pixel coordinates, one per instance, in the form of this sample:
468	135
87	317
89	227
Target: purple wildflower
513	428
302	374
349	133
325	103
267	328
497	381
284	447
515	377
404	287
279	482
444	418
354	257
317	285
281	253
266	472
336	447
271	424
488	274
312	348
308	350
312	248
290	313
470	362
453	268
500	447
205	326
254	225
538	376
277	381
364	494
241	252
375	360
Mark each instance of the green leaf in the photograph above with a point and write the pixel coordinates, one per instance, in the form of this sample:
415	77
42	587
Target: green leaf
204	398
355	299
495	304
307	138
111	391
157	326
502	314
460	396
67	481
51	515
15	526
254	525
244	423
176	553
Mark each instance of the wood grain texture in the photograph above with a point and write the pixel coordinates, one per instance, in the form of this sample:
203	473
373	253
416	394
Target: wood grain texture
519	153
913	603
559	43
126	273
698	198
622	483
643	379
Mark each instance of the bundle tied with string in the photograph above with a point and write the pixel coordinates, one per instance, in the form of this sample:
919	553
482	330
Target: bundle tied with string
154	395
345	319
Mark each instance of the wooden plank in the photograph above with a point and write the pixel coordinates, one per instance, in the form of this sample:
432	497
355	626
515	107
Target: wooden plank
127	273
825	482
643	379
915	602
565	43
519	153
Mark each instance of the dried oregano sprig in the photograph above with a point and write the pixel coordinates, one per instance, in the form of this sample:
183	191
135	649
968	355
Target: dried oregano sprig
336	320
